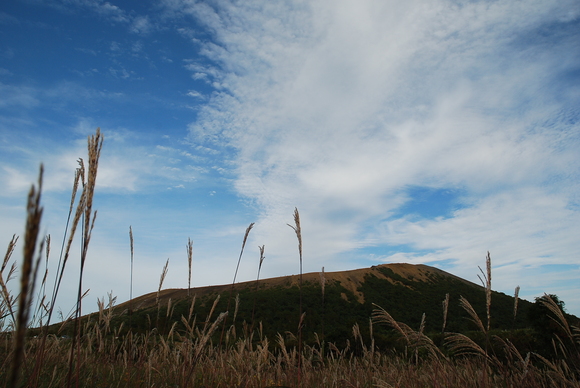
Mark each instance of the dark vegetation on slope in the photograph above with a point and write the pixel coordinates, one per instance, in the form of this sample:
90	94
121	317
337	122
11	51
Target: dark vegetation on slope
331	318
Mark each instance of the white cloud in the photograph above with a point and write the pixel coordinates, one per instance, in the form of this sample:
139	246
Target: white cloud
196	94
525	222
19	96
104	8
125	165
112	11
120	73
141	25
337	107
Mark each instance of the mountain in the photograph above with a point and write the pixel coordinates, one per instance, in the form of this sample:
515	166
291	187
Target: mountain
351	280
406	291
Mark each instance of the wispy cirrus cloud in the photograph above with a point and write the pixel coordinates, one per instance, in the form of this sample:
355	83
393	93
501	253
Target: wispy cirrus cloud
101	7
17	96
8	19
137	24
337	109
125	166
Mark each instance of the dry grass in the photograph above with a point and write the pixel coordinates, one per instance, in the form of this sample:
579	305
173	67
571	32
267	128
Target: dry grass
189	247
248	229
27	277
262	257
99	356
191	361
132	254
7	304
445	304
298	230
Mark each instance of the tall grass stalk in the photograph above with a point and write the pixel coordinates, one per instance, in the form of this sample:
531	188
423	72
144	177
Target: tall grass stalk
189	263
516	298
298	230
8	300
460	343
41	303
95	144
28	276
85	209
262	257
131	281
161	280
248	229
487	285
65	249
322	288
445	311
62	261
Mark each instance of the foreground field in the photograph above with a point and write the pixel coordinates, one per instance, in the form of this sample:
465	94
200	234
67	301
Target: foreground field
103	360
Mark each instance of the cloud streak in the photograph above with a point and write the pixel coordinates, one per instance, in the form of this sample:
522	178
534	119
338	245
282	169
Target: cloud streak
337	108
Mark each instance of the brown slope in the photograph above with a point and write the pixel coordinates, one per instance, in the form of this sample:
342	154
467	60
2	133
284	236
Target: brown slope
351	280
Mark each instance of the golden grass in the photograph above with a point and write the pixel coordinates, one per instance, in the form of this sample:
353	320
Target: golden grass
248	229
298	230
27	277
189	248
6	307
132	253
445	304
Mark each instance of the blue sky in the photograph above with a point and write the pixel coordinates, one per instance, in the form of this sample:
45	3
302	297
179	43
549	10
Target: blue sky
420	131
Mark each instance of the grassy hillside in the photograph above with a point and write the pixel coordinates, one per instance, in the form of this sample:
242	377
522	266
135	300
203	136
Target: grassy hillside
406	291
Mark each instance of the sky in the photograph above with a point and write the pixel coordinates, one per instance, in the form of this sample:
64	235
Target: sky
424	132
